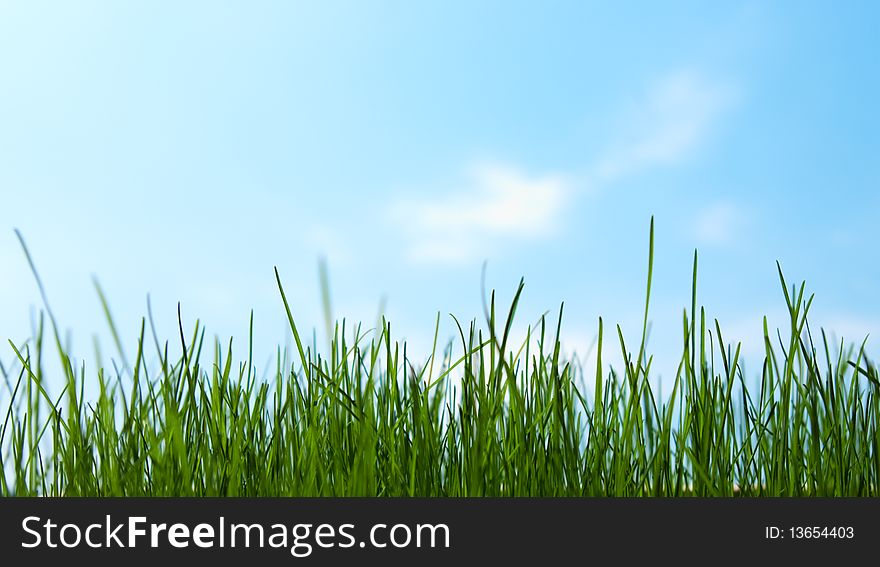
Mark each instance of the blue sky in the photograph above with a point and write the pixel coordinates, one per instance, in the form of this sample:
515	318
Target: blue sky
184	149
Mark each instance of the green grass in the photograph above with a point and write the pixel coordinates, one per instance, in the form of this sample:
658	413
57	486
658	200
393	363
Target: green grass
483	416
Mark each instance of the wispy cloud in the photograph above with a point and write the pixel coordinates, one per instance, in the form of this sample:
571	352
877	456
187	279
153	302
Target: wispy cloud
496	202
719	223
666	125
500	203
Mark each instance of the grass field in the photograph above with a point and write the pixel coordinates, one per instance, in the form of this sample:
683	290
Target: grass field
481	415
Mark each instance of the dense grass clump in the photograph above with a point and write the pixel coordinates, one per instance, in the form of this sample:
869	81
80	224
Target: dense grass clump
481	417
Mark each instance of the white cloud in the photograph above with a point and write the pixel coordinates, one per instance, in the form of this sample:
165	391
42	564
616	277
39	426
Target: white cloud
719	223
498	201
664	127
667	125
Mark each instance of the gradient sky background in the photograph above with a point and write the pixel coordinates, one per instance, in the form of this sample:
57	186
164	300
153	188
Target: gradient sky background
184	149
